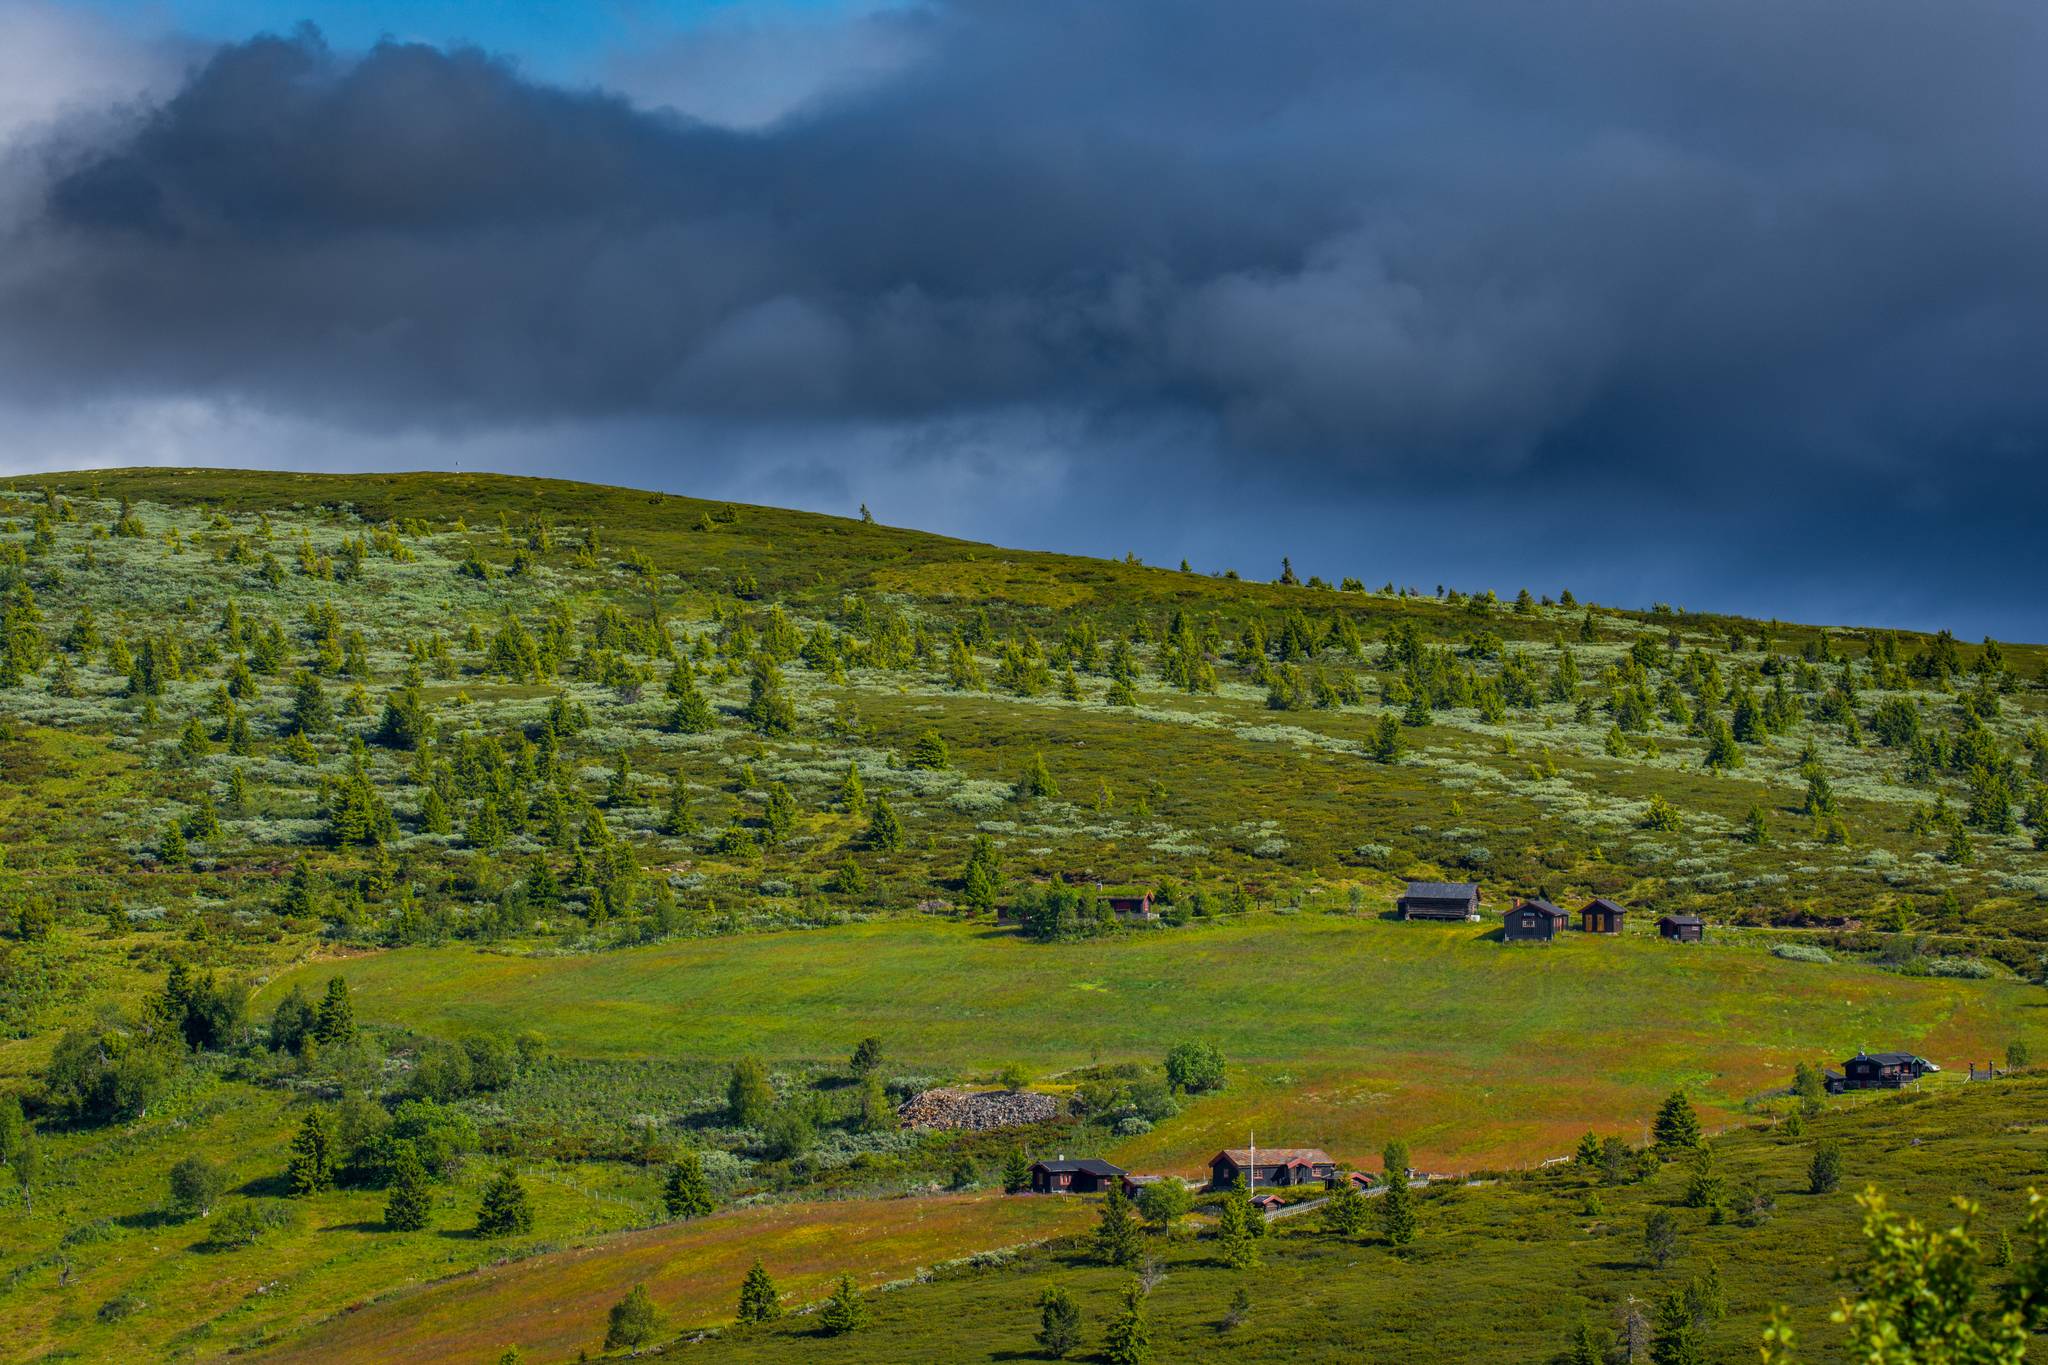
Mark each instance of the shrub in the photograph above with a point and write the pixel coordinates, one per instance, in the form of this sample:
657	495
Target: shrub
1801	952
249	1222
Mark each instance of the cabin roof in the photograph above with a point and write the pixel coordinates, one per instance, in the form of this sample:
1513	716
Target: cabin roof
1444	891
1543	907
1274	1156
1602	903
1886	1058
1092	1165
1681	919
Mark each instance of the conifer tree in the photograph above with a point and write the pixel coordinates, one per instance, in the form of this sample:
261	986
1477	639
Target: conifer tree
843	1312
1344	1214
1397	1205
1235	1241
1129	1339
1824	1172
1016	1172
309	1166
1677	1127
505	1211
412	1199
1037	780
337	1018
885	831
758	1300
1116	1232
852	794
686	1193
1059	1322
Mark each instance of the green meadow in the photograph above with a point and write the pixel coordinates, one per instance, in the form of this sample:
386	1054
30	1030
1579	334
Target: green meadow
1341	1032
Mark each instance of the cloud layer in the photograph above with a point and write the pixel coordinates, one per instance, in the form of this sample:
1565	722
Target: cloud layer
1752	268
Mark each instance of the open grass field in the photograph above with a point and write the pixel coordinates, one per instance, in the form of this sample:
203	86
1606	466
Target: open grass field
1342	1032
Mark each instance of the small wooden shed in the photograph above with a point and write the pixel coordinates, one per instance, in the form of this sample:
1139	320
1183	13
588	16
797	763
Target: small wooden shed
1682	928
1532	922
1602	916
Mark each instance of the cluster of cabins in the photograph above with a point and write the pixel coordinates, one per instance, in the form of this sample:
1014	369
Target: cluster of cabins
1277	1168
1878	1071
1261	1168
1533	920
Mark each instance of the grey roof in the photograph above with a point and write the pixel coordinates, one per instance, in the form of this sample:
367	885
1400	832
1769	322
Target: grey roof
1602	903
1681	919
1545	906
1090	1164
1888	1058
1443	891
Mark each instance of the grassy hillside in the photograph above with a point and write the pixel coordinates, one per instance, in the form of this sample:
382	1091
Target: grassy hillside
589	794
1499	1273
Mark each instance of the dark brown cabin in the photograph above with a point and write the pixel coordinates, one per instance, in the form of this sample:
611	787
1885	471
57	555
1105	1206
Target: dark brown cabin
1878	1071
1266	1203
1086	1176
1533	922
1682	928
1276	1166
1132	907
1602	916
1439	900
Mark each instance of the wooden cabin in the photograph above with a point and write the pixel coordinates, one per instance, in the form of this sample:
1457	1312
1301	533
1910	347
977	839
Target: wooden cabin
1439	900
1276	1166
1267	1203
1132	907
1602	916
1362	1180
1536	921
1878	1071
1682	928
1086	1176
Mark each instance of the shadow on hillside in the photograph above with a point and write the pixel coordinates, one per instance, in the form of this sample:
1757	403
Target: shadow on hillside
273	1186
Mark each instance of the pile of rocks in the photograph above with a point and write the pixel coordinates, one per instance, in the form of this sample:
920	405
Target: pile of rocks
976	1110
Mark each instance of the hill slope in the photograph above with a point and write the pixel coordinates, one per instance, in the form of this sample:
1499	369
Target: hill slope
653	786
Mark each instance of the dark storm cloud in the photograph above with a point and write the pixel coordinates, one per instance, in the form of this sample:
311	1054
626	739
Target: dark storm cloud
1640	253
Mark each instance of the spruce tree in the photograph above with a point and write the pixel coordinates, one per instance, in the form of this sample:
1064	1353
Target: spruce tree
1235	1241
843	1312
1678	1338
686	1193
1129	1339
1059	1322
1677	1127
337	1021
1397	1205
1824	1172
758	1300
309	1167
1036	781
1016	1172
885	831
505	1211
1344	1214
412	1199
1116	1233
